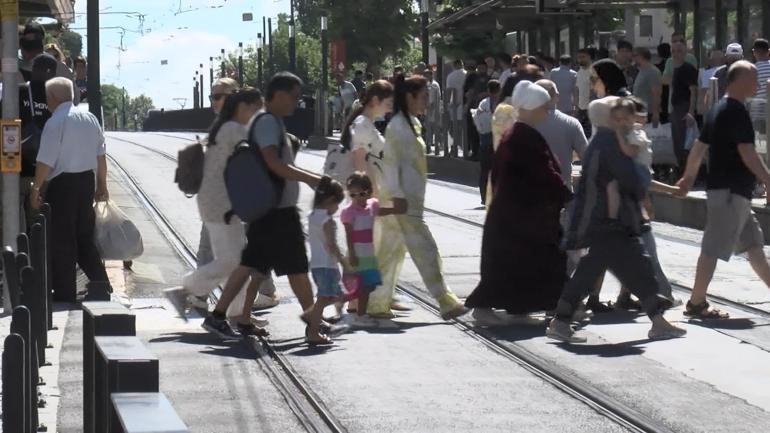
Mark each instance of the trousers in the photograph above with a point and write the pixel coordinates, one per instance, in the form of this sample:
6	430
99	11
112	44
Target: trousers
394	236
71	196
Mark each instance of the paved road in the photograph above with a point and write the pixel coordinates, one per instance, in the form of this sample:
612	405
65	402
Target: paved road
686	383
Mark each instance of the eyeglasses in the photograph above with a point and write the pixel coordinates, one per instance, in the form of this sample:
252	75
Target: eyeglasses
359	194
217	96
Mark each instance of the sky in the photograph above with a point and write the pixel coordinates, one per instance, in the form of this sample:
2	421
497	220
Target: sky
184	40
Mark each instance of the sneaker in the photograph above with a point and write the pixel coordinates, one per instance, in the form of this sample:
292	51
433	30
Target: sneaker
364	322
487	317
562	331
666	333
220	328
177	296
264	302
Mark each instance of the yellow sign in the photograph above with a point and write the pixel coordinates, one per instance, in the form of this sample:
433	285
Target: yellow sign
10	152
9	9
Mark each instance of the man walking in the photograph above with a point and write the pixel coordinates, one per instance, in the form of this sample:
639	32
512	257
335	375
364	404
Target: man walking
72	148
648	84
31	45
733	169
624	58
758	105
455	96
733	53
565	79
684	91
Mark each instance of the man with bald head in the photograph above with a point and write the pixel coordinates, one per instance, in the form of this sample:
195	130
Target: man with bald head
734	167
563	133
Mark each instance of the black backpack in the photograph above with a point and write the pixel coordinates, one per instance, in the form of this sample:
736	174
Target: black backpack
252	188
189	170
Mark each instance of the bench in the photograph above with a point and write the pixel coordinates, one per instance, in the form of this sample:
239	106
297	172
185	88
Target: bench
149	412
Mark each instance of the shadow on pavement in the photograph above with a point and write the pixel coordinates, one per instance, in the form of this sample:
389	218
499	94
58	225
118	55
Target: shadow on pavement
627	348
734	324
513	333
615	317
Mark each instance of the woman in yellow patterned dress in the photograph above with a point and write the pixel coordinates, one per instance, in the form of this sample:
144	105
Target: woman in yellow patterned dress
405	176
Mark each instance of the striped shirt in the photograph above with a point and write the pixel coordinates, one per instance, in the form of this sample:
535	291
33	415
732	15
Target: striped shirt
758	104
361	221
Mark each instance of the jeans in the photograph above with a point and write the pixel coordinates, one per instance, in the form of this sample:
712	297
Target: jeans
679	133
664	286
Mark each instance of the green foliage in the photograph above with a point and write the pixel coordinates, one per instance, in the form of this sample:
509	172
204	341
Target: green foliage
137	109
372	30
112	103
112	100
71	43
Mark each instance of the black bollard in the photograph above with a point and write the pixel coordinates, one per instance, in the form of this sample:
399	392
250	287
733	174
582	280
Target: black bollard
14	391
22	261
45	210
21	325
32	298
37	257
22	243
11	276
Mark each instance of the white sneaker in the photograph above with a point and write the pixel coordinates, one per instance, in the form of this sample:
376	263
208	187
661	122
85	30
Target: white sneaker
487	317
364	322
562	331
264	302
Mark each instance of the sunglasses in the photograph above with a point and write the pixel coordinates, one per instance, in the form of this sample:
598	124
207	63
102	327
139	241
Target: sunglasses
217	96
359	194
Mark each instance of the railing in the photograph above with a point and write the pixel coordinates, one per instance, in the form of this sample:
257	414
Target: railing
111	364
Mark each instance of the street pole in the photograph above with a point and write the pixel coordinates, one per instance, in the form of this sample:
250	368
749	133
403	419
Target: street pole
211	73
202	86
259	61
425	36
324	73
270	65
125	125
264	32
196	101
240	64
292	40
222	71
10	33
94	73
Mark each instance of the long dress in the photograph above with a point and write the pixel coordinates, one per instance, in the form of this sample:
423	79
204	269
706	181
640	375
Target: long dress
523	269
405	175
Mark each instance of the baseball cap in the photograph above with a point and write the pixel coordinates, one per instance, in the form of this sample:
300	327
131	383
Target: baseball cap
734	50
34	28
44	67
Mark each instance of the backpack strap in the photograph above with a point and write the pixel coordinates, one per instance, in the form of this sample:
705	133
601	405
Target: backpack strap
281	140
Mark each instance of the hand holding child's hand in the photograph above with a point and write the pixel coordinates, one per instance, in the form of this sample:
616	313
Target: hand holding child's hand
352	261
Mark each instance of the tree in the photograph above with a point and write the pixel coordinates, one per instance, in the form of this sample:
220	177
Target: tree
372	30
71	43
137	111
112	101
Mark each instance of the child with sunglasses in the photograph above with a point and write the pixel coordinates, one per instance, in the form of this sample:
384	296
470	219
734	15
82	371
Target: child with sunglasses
358	219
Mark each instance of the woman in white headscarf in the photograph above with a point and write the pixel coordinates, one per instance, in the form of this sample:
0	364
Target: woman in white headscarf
523	270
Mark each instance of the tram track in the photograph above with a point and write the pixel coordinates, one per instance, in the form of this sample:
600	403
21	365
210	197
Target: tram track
604	404
311	412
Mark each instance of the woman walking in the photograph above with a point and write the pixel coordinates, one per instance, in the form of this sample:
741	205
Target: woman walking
405	177
523	270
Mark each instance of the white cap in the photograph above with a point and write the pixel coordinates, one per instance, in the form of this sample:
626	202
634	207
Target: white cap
528	96
734	50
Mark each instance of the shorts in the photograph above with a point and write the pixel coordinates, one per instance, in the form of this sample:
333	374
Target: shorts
370	279
327	280
276	243
731	226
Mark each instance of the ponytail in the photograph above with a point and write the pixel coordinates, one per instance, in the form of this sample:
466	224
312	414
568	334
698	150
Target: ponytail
407	86
380	89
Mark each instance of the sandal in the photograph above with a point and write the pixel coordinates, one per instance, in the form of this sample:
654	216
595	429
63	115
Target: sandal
325	328
324	341
704	311
251	330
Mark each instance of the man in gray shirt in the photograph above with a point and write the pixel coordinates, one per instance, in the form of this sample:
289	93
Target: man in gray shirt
648	84
276	242
565	79
563	133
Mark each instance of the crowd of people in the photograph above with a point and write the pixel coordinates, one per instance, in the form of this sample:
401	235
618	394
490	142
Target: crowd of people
546	244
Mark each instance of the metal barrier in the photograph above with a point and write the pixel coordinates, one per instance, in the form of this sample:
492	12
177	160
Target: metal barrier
141	412
45	211
21	324
14	389
123	364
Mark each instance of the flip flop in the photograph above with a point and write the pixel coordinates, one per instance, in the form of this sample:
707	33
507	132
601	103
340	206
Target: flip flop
704	311
324	341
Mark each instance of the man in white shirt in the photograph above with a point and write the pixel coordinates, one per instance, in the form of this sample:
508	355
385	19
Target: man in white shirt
565	80
433	136
455	91
582	92
506	66
347	92
72	148
758	105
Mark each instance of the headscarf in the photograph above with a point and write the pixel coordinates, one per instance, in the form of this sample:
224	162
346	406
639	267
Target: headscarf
612	77
599	111
529	96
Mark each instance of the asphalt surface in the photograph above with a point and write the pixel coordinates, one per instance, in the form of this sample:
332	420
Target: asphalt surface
430	376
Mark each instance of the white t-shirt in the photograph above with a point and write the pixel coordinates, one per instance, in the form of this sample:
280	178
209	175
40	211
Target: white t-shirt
705	77
455	81
320	257
583	83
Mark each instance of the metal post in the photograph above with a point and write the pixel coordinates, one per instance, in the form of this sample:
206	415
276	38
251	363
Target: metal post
21	324
94	72
324	72
260	82
765	18
40	258
424	35
222	70
125	125
292	40
270	64
241	80
677	10
740	23
588	32
13	378
556	38
211	73
195	94
767	122
10	36
720	22
203	98
264	31
697	22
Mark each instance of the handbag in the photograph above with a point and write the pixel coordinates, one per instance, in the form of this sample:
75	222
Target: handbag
339	162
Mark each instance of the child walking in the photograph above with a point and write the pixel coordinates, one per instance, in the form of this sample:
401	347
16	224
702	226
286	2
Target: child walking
358	219
325	257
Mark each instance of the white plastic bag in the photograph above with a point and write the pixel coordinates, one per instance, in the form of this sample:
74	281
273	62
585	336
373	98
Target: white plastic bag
116	236
339	162
662	144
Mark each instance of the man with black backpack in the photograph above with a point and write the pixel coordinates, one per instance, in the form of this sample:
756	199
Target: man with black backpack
276	241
